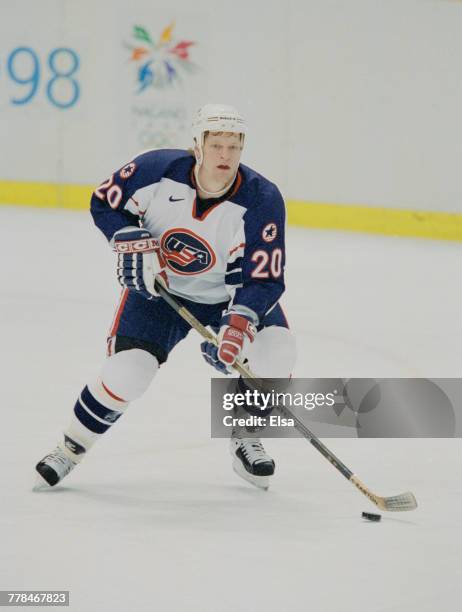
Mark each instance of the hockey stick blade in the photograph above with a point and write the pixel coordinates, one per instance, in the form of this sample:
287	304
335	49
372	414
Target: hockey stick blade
394	503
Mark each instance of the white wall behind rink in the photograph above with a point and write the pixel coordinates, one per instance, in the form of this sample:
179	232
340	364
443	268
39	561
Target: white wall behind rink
352	102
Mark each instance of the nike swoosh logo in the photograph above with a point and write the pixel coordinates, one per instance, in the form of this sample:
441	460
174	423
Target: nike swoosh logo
172	199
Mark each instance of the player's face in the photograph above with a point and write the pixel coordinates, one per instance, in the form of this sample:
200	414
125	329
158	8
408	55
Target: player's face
222	153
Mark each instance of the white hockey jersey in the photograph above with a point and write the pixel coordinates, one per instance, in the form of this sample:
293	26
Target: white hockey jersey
230	248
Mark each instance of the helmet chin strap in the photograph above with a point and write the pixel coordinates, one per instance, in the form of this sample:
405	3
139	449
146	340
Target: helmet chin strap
212	194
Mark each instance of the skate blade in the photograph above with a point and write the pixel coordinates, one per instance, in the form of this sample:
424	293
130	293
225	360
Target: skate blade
40	484
261	482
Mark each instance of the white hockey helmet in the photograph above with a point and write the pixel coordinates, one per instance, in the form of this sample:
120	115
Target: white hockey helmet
216	118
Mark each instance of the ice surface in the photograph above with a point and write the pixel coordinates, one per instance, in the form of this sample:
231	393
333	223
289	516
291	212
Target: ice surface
155	519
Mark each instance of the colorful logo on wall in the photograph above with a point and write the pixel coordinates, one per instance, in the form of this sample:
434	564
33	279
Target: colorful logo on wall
161	63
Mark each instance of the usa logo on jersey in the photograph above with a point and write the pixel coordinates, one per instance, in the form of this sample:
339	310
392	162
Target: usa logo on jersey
187	253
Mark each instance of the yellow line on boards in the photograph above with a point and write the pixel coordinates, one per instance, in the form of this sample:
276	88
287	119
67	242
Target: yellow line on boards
389	221
320	215
46	195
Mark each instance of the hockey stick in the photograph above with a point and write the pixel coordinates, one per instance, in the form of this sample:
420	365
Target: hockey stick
395	503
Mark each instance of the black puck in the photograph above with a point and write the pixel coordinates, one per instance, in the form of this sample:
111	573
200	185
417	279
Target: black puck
371	517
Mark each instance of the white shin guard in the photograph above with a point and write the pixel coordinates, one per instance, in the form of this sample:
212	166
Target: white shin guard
128	374
125	376
273	353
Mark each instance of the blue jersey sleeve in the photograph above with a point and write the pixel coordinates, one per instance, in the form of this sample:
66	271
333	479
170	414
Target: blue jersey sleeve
116	204
263	260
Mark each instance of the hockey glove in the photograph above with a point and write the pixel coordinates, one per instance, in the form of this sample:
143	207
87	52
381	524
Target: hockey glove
139	260
236	331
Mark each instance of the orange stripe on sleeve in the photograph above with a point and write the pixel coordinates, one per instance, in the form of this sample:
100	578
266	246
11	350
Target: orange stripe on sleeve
235	248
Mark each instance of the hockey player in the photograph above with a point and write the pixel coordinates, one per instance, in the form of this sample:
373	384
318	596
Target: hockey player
214	230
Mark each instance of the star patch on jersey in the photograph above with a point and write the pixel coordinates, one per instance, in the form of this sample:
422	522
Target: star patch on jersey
269	232
187	253
128	170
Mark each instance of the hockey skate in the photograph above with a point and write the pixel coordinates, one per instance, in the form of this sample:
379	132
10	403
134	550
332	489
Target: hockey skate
251	462
55	466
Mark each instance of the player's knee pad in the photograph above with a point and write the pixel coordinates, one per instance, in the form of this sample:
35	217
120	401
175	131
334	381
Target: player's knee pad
273	353
129	373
